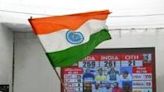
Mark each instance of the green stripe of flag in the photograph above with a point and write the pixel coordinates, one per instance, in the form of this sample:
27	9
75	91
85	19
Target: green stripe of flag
74	54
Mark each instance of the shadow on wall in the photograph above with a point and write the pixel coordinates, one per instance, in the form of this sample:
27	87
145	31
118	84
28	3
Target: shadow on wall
159	82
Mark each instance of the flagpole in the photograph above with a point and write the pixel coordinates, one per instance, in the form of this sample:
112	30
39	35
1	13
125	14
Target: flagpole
62	82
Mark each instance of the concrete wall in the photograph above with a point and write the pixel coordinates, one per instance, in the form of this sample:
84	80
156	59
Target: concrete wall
6	56
33	73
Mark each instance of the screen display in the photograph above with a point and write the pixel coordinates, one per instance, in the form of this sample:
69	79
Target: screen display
116	70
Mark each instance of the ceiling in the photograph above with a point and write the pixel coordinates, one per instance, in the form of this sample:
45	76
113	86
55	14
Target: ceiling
125	13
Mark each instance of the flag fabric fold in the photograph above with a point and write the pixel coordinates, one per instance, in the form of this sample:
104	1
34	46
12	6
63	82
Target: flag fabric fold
69	38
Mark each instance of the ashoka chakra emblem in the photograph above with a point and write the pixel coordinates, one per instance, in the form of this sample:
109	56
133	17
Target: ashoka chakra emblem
74	37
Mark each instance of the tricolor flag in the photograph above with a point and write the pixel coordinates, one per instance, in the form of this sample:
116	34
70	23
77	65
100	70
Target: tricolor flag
69	38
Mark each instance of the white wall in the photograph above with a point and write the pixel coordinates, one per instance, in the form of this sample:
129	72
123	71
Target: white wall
33	72
6	56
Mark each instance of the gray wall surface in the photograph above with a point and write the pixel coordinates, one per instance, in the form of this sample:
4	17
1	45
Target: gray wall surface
33	72
6	56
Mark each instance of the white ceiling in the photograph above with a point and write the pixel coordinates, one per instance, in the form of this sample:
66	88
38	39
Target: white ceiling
125	13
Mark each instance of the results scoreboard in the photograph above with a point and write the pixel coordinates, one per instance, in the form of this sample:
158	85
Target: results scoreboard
113	70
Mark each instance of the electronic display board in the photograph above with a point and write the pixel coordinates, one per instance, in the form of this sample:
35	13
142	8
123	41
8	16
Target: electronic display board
113	70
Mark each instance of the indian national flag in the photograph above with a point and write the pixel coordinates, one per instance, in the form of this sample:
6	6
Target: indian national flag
69	38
